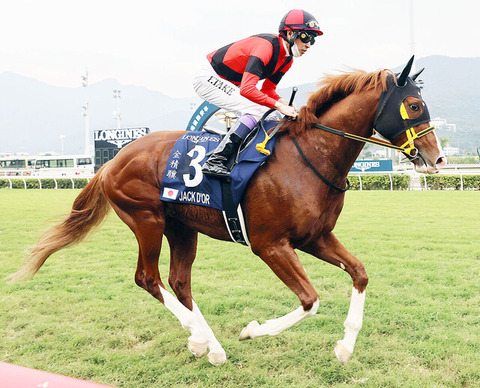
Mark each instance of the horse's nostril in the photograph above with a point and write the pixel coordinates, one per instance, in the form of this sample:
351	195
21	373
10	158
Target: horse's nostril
442	161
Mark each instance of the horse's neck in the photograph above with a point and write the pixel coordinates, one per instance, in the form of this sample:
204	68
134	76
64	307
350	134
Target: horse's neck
355	115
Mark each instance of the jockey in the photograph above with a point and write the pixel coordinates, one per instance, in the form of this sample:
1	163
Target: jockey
231	77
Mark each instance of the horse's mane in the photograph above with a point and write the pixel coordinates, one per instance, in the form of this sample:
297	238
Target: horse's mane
333	88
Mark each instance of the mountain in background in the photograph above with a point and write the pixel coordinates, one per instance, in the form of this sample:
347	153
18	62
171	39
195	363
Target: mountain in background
33	115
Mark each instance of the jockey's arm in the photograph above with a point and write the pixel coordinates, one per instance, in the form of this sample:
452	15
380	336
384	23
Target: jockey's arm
248	89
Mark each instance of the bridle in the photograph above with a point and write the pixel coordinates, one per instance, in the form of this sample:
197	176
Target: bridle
391	119
391	116
408	147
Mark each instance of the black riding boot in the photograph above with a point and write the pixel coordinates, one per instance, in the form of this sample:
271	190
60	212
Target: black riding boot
221	162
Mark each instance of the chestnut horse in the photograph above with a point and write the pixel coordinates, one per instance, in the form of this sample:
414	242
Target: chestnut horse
286	206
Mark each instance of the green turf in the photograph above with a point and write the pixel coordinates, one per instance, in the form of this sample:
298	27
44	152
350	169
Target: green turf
82	315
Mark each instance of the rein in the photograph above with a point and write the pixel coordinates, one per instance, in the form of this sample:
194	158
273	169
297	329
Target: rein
317	173
406	147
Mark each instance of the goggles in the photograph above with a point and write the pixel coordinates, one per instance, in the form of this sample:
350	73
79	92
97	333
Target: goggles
313	24
307	37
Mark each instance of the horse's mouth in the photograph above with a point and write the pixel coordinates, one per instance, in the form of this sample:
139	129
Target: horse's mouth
425	165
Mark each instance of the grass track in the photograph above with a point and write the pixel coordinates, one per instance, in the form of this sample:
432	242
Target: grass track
83	316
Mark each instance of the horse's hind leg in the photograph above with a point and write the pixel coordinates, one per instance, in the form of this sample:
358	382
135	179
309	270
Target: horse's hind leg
283	260
183	245
148	225
328	248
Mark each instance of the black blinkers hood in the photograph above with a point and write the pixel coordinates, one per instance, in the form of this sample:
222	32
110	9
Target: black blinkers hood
388	118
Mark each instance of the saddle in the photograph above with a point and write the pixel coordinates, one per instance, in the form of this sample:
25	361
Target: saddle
183	181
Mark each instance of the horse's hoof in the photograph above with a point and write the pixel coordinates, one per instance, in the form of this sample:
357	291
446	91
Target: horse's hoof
343	355
217	358
248	332
198	349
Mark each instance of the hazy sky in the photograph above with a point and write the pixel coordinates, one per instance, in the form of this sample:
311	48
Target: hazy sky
160	44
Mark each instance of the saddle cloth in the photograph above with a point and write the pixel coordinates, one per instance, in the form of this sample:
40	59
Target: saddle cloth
184	182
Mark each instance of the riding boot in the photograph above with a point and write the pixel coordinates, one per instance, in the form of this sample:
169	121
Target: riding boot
222	160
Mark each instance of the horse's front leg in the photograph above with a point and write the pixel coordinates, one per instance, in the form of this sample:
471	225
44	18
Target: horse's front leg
329	249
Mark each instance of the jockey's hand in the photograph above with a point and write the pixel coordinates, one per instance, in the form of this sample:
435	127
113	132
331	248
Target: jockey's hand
283	101
286	110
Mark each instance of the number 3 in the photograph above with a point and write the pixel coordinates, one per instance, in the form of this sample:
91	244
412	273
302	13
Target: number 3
195	163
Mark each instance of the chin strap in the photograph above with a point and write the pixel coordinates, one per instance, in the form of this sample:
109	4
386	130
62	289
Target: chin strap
295	51
291	44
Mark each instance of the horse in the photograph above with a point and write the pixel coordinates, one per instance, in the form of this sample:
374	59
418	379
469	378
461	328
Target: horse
291	203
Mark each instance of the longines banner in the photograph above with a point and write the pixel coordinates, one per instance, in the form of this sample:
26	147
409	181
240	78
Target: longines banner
111	138
372	166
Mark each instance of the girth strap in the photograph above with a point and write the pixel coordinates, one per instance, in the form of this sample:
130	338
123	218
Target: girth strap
234	219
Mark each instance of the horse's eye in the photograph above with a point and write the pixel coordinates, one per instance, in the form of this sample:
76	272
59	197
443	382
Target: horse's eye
414	107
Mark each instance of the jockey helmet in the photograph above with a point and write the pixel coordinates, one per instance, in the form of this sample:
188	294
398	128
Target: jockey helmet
299	20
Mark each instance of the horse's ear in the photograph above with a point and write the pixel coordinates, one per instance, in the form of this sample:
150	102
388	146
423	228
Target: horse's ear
415	76
402	80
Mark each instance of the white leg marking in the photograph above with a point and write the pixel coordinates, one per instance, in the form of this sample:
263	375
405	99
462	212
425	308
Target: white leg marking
217	354
353	324
201	334
276	326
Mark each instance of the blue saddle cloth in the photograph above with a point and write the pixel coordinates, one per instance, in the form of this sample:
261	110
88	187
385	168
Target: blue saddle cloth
184	182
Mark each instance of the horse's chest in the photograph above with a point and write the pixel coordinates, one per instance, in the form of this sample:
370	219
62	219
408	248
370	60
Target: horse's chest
316	218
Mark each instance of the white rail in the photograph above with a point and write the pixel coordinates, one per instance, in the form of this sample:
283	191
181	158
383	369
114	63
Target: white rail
417	181
10	180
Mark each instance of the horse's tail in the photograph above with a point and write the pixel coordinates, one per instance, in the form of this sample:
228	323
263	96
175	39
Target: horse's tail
89	209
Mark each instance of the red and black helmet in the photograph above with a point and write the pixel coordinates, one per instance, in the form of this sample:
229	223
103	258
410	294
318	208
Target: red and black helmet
300	20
